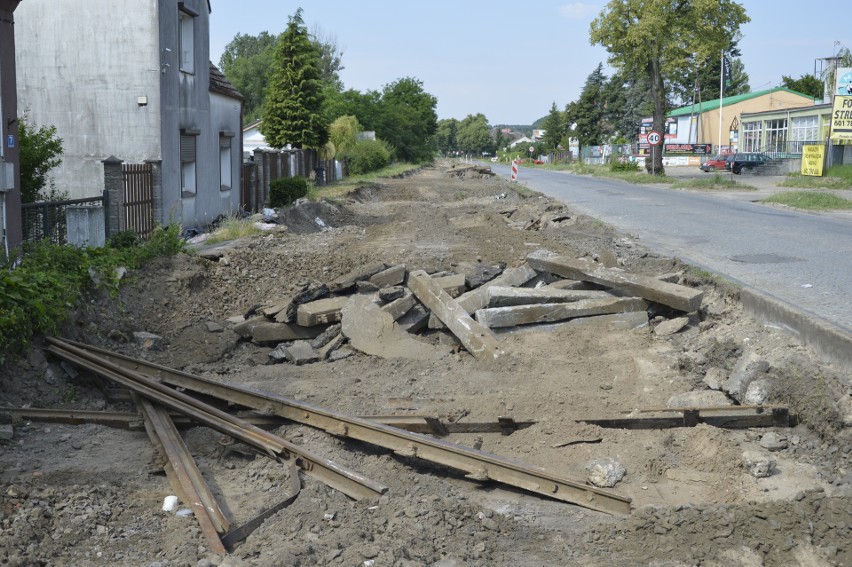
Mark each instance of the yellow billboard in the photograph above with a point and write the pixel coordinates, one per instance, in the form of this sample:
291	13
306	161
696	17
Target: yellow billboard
841	119
813	158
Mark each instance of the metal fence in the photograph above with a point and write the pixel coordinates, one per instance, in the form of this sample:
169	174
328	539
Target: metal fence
47	220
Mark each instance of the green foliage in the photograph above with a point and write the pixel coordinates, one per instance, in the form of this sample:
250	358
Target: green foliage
246	62
124	239
623	165
554	128
285	190
292	109
408	120
587	113
366	156
810	200
446	136
474	135
806	84
343	133
36	296
40	151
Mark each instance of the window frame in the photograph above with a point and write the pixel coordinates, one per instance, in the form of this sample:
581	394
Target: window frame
226	159
186	37
188	154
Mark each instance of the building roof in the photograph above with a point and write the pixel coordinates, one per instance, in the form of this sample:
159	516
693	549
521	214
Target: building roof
219	84
729	100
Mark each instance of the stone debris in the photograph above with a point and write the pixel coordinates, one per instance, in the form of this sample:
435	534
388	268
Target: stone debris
149	341
748	368
758	465
605	473
774	441
463	305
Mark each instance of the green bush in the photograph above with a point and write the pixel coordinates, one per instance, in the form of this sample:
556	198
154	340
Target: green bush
366	156
624	165
285	190
37	295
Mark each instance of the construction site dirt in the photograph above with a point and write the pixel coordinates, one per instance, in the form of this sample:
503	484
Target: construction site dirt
722	441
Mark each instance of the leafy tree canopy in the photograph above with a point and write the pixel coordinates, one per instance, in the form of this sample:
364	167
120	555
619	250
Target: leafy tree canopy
585	115
40	151
554	128
806	84
292	109
408	119
474	135
663	37
343	133
446	135
246	63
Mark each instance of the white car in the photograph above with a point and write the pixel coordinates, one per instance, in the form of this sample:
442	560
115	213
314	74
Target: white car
495	159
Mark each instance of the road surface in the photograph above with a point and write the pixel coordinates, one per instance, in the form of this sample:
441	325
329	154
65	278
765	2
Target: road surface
803	259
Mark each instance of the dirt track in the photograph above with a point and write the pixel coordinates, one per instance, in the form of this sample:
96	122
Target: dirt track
84	495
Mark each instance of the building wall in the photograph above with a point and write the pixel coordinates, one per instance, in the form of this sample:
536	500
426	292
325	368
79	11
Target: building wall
708	123
10	201
225	117
82	64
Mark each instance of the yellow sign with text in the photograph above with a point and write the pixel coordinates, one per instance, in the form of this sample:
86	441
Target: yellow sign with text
841	119
813	158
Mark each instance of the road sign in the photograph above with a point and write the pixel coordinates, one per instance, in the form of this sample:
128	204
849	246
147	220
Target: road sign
532	149
654	138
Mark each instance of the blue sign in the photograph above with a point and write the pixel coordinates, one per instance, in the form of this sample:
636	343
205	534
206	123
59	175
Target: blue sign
10	141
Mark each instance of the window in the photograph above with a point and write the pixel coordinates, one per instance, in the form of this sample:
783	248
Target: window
188	182
187	38
751	136
776	136
225	160
805	129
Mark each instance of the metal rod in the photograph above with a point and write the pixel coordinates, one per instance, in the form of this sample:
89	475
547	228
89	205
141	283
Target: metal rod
478	464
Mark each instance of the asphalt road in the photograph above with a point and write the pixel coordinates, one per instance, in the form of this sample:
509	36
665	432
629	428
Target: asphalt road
802	259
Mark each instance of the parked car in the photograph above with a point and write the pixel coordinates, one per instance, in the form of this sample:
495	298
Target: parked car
748	160
715	163
495	159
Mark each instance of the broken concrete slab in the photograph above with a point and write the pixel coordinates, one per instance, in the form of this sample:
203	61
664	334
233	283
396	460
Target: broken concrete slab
321	311
453	284
671	326
748	368
347	281
394	275
477	339
478	298
300	353
371	330
414	320
285	311
758	392
391	293
500	296
261	330
399	307
331	346
477	273
551	312
673	295
326	336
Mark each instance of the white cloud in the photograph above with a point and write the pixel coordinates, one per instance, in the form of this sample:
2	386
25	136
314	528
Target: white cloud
578	11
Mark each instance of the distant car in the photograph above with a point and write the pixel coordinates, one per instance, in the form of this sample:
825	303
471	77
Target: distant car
538	162
495	159
715	163
747	160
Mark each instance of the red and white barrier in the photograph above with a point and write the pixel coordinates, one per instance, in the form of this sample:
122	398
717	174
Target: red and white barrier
514	170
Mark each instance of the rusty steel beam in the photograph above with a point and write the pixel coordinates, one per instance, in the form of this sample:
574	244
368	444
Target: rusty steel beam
352	484
195	491
478	465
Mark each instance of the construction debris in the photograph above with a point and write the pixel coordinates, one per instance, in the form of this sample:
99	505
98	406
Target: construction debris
470	170
732	417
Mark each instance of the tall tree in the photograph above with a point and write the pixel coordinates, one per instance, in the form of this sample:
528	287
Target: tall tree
554	128
246	62
474	135
292	110
585	115
343	133
627	100
806	84
40	151
408	120
662	37
446	136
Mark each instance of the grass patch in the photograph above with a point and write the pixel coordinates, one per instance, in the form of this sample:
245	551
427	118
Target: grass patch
233	228
714	182
635	177
799	181
810	200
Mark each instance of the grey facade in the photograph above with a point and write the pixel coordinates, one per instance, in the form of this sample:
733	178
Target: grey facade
10	182
135	85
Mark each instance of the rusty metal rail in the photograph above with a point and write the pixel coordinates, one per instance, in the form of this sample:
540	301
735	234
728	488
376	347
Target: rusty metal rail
478	465
352	484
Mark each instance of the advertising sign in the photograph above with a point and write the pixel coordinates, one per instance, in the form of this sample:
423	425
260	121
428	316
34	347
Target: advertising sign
813	158
647	125
841	119
702	149
843	81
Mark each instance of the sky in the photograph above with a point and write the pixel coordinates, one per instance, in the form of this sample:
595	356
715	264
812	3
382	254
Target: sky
512	60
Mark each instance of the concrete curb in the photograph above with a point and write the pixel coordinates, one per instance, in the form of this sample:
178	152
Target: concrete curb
831	342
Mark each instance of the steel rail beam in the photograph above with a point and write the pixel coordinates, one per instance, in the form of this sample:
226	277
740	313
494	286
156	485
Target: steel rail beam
352	484
198	496
478	465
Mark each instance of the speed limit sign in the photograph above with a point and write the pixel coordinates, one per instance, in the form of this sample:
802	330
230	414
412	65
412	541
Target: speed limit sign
654	138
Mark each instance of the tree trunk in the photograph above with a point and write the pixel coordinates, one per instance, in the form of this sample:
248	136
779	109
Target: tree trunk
658	95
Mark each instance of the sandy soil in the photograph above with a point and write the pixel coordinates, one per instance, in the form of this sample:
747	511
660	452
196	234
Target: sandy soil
88	495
